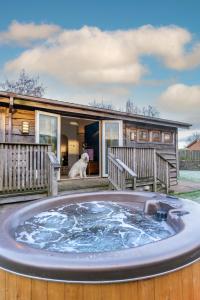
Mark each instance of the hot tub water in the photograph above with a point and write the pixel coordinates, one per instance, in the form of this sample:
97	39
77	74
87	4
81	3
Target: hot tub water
95	226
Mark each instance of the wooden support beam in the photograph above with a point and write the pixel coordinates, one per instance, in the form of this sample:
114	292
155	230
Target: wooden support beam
2	124
155	171
10	119
177	153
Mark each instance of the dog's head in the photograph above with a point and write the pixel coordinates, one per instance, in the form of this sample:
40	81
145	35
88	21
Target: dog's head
85	157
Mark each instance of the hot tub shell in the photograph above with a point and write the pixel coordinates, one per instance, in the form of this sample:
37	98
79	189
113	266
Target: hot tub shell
137	263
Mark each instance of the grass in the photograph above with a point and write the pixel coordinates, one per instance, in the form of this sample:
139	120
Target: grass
195	195
193	176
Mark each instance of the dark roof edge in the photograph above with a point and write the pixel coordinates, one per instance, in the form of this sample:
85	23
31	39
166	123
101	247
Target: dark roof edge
90	108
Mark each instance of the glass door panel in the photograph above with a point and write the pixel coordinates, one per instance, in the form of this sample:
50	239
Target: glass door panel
112	136
48	131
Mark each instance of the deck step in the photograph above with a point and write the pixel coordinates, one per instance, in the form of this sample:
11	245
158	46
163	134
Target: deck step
10	198
80	191
79	184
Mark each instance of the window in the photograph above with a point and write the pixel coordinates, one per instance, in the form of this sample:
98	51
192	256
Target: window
156	136
168	137
133	135
143	135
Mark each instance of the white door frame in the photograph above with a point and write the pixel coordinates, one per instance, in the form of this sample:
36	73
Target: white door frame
120	122
37	114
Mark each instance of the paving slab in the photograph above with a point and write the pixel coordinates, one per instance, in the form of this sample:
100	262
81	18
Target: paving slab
185	186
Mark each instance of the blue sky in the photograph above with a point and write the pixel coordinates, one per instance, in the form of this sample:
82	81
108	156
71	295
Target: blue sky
148	51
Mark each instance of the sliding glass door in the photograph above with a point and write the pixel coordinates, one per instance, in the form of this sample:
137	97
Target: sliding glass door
48	130
112	135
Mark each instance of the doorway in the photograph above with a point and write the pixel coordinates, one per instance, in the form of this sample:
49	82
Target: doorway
79	136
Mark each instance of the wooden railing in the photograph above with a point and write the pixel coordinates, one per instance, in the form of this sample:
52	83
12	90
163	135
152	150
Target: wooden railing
117	171
149	165
25	167
162	171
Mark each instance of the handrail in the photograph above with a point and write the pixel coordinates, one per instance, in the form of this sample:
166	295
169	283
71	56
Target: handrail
169	163
121	165
147	164
115	162
127	169
162	172
117	172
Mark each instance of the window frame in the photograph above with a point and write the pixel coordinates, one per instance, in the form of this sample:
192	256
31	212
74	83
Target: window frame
143	139
171	140
156	140
133	132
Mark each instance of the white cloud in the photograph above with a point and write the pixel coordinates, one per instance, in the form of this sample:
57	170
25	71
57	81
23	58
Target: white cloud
182	101
91	56
25	33
184	135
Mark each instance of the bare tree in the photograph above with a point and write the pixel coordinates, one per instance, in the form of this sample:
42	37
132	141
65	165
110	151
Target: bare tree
150	111
130	107
25	84
193	137
102	104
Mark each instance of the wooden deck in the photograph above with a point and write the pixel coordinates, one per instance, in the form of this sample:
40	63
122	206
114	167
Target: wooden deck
30	171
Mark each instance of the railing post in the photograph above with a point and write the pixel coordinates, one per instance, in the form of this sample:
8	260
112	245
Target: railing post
134	183
167	177
154	171
54	167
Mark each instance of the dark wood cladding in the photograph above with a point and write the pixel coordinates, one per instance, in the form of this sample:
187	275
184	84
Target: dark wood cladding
167	150
149	129
18	116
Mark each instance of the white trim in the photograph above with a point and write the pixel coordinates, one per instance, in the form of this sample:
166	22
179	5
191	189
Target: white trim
103	141
37	114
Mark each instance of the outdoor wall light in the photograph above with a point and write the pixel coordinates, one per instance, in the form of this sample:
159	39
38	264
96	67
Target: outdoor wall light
74	123
25	127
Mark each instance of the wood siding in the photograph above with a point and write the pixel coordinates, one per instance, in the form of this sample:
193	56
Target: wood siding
167	150
179	285
18	116
2	124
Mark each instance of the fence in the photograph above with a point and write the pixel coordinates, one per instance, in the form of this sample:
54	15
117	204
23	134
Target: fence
189	159
24	167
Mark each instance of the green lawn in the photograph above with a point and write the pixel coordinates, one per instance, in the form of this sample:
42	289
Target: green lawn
193	176
195	196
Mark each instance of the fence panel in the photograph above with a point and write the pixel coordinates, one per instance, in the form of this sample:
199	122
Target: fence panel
23	167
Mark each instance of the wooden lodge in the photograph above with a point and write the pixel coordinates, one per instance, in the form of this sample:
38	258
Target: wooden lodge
130	149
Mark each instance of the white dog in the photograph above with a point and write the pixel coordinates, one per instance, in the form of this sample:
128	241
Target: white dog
79	168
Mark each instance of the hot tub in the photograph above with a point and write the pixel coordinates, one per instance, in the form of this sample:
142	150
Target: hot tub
101	245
